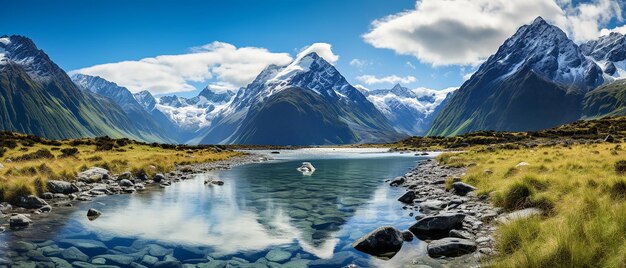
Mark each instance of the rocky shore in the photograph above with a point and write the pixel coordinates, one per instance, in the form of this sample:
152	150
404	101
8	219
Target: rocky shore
95	182
456	224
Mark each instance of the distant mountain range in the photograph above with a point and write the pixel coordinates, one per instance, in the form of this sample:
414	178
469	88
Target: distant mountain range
539	78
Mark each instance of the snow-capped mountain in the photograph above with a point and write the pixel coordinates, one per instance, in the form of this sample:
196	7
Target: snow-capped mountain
410	111
264	98
193	114
536	80
609	52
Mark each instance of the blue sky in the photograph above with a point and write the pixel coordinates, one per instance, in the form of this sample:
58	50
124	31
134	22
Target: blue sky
79	34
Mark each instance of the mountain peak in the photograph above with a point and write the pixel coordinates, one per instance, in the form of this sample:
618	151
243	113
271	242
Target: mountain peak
539	20
397	86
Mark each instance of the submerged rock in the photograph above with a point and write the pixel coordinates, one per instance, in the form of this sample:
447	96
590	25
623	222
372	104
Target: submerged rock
89	247
74	254
384	242
450	247
278	255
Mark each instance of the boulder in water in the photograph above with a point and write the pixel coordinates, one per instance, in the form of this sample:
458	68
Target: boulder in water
383	242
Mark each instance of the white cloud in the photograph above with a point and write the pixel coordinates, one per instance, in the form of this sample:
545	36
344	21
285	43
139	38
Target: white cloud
323	50
227	66
358	63
392	79
621	29
467	31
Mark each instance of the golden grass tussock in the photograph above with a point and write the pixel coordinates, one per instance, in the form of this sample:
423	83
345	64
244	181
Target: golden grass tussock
582	189
27	166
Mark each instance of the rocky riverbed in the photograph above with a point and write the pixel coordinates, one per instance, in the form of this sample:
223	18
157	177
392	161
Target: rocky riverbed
95	182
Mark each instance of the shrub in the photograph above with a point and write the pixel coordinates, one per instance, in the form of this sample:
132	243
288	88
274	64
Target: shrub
620	167
67	152
517	196
618	190
18	188
39	154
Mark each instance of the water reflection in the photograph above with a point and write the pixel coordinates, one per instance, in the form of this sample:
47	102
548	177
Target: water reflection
261	206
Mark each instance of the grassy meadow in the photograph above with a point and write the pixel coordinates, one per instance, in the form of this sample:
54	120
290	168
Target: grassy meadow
28	161
581	188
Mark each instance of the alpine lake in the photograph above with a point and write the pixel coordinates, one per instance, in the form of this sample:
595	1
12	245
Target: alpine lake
265	215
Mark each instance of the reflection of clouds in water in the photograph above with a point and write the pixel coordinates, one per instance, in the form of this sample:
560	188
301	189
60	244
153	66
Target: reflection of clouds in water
229	231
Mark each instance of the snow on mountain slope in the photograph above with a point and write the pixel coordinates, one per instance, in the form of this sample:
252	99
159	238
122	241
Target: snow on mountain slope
408	110
547	51
609	52
194	113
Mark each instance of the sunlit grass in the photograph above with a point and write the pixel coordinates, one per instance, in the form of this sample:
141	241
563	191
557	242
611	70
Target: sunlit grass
29	165
582	189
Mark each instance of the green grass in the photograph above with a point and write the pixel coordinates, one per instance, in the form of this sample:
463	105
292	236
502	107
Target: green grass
582	189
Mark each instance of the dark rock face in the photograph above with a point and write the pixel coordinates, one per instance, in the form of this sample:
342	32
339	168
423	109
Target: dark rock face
462	189
407	197
384	242
450	247
92	213
61	187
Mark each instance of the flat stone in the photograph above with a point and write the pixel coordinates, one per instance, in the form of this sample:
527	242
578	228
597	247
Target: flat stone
94	174
461	234
74	254
441	222
89	247
519	214
278	255
450	247
19	221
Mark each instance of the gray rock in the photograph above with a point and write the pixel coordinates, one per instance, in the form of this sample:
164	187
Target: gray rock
462	189
519	214
450	247
461	234
167	264
74	254
384	242
94	174
31	202
117	259
89	247
126	183
61	187
22	246
158	178
149	260
407	197
441	222
45	209
19	221
278	255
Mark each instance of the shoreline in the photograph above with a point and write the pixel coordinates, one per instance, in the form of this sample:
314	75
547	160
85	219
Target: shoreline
89	192
428	181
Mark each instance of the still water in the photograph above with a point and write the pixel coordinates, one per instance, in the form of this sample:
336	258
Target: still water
265	215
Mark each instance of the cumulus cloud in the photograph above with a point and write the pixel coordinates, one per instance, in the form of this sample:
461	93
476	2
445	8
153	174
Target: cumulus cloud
323	50
447	32
228	66
392	79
